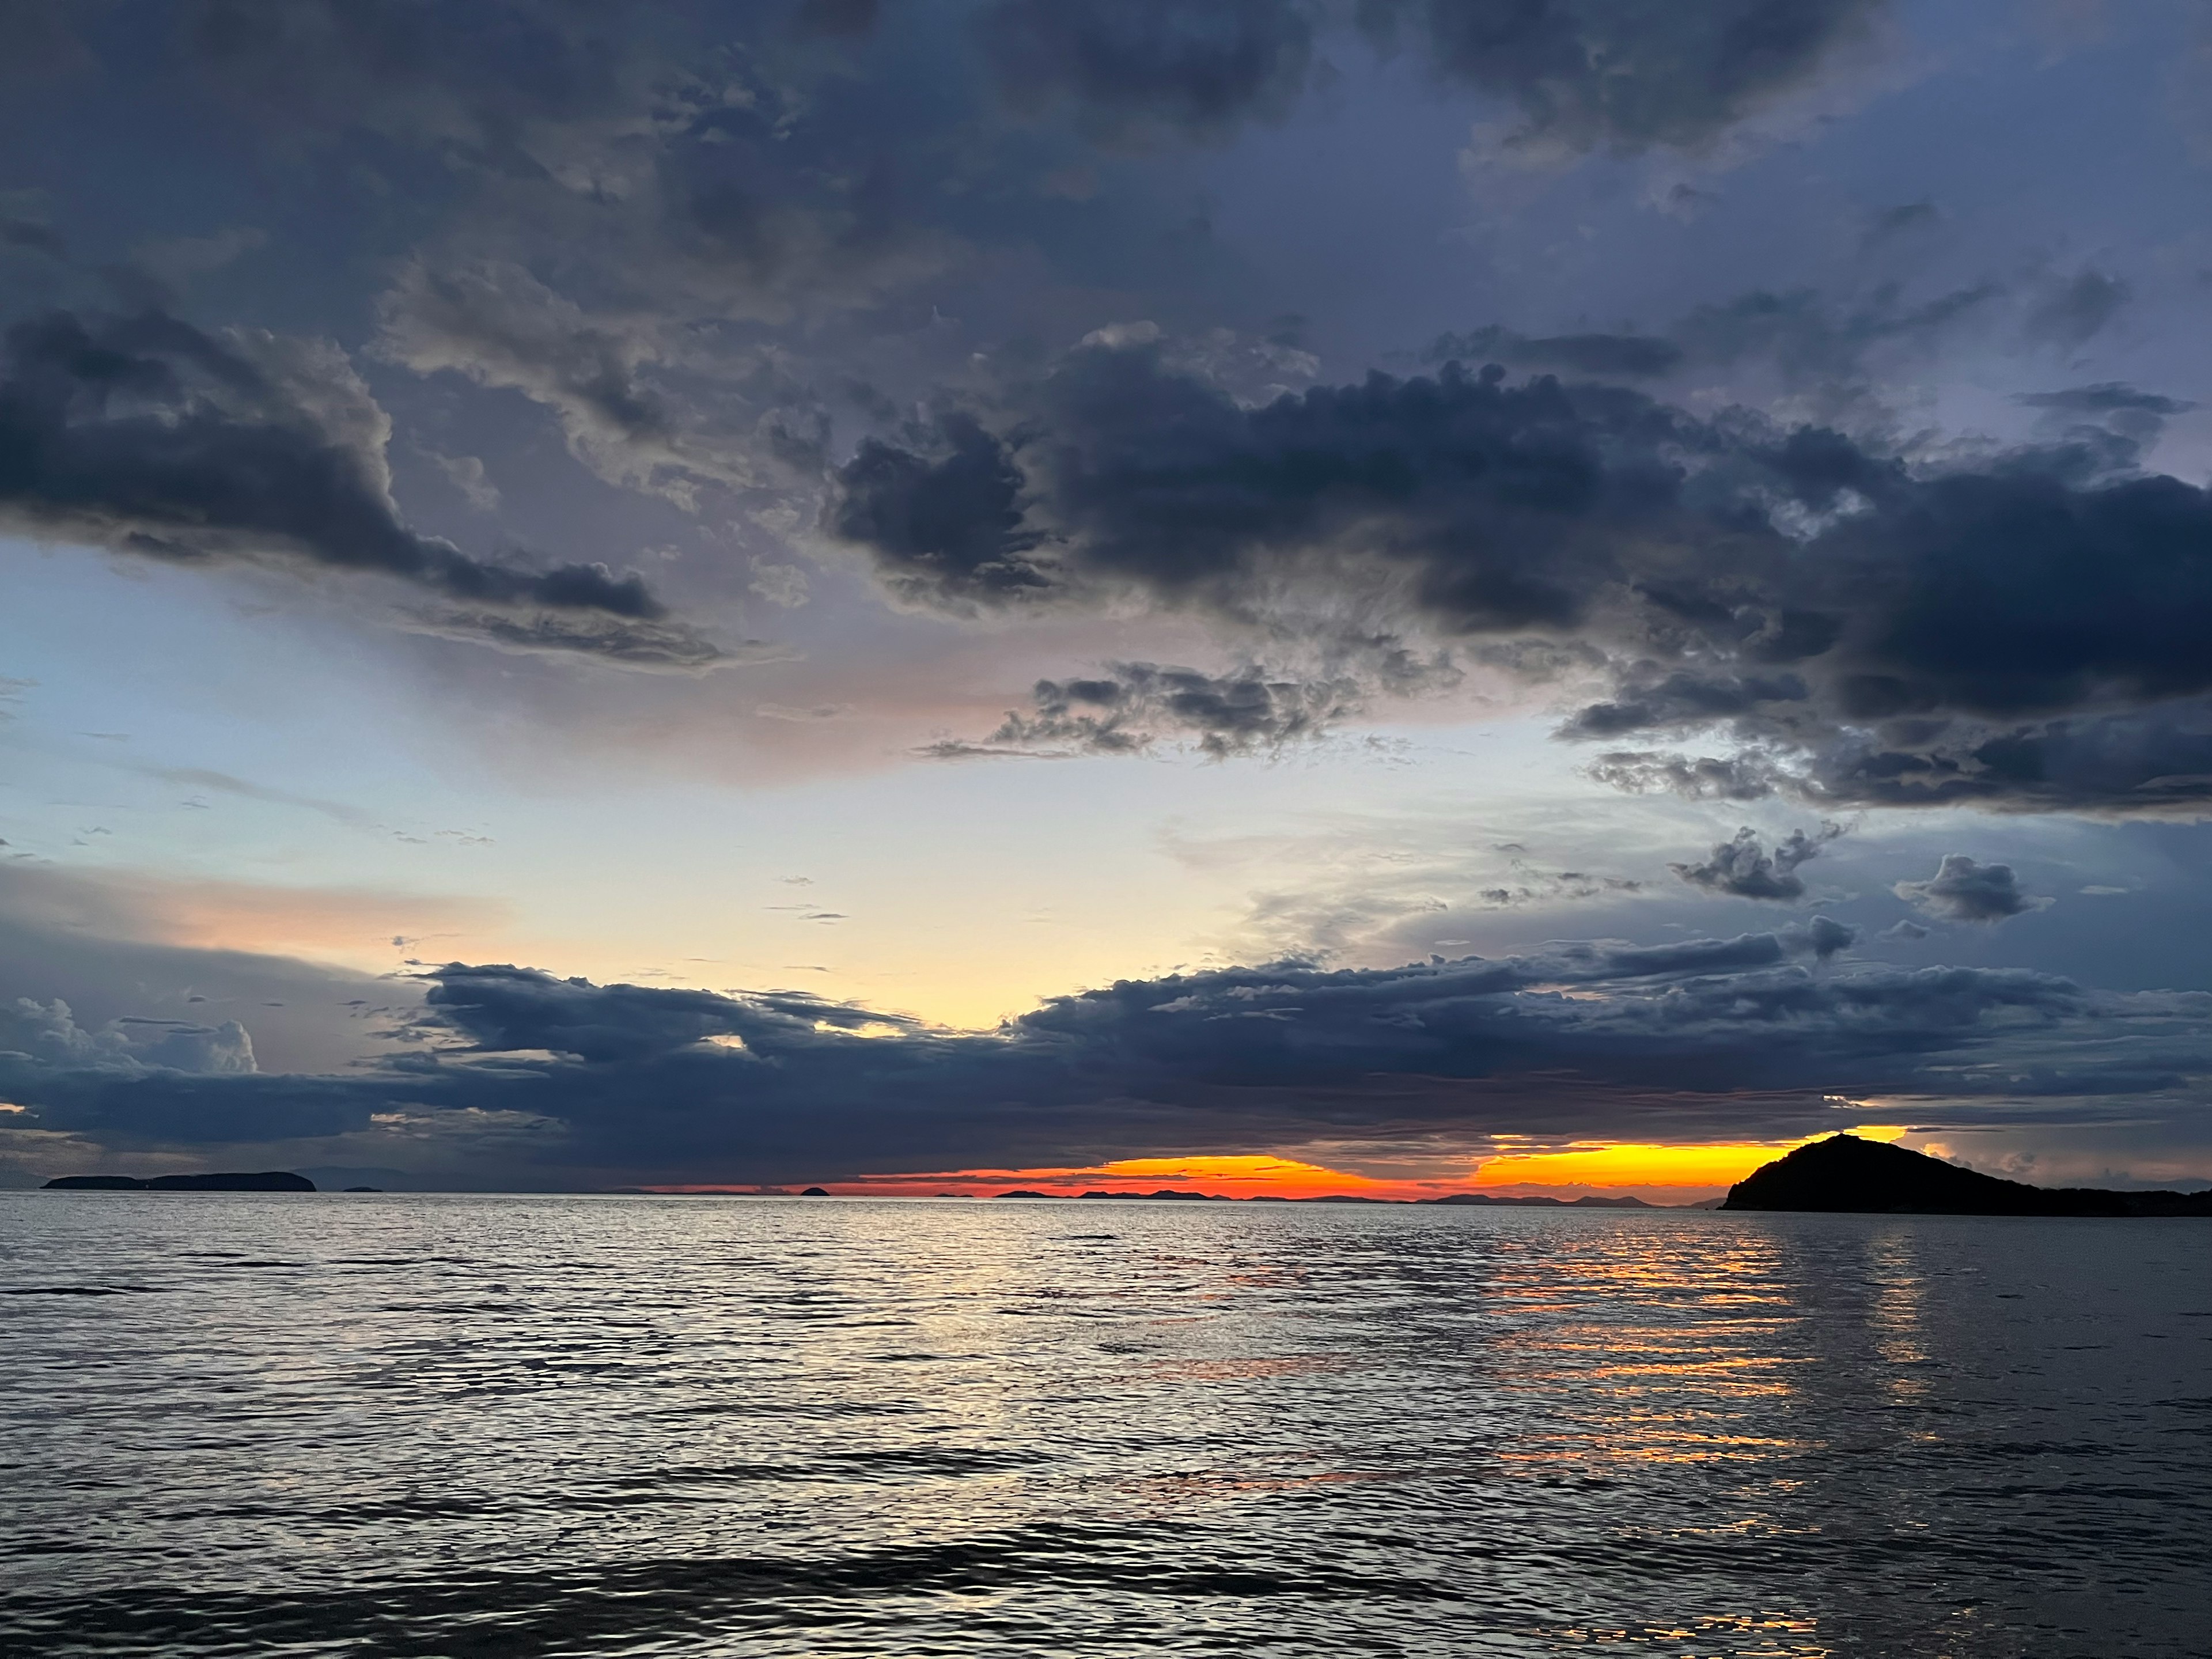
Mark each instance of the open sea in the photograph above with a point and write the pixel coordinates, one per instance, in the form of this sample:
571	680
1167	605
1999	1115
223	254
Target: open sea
408	1425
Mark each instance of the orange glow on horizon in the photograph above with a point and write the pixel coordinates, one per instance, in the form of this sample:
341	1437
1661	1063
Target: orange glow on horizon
1251	1175
1638	1164
1659	1172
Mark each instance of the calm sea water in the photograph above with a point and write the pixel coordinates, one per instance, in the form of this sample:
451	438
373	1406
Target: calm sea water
469	1426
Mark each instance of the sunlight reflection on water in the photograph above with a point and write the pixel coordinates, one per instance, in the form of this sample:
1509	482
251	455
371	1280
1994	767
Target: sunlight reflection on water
415	1425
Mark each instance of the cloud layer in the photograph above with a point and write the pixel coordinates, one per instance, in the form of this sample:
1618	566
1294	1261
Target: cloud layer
516	1076
1864	628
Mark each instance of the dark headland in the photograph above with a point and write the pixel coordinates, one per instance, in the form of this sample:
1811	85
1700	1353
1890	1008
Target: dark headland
1844	1174
267	1181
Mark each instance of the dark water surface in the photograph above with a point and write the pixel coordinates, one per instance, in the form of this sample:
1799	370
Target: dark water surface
467	1426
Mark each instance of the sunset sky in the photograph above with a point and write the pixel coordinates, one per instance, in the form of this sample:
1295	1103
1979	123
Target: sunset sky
1257	595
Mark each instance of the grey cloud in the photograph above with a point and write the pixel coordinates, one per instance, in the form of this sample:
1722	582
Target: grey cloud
1963	891
2107	398
501	327
645	645
2023	630
603	209
945	526
835	17
2074	311
1825	349
479	77
1704	1039
1606	356
1743	868
1143	702
145	434
1135	705
1624	77
128	1045
1814	340
1900	221
2135	418
1123	475
490	81
1134	69
31	235
1536	887
1690	698
1693	777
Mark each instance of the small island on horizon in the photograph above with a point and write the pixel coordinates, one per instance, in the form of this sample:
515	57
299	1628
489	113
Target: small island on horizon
265	1181
1847	1174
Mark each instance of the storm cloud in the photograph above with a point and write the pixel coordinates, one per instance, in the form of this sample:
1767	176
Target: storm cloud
1713	1038
1865	627
149	436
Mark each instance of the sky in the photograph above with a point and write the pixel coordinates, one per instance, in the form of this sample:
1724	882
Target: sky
1365	596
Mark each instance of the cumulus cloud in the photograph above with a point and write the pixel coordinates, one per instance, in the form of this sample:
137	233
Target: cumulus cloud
2021	630
1743	868
1964	890
130	1045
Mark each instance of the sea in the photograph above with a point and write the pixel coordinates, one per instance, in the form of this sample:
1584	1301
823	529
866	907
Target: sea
489	1425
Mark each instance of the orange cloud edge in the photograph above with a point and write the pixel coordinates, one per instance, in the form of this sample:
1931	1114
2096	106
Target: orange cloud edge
1658	1174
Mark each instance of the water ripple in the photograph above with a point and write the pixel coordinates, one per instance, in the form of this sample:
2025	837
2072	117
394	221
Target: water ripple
547	1426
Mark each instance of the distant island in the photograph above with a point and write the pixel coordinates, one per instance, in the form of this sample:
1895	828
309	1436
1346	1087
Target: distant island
268	1180
1844	1174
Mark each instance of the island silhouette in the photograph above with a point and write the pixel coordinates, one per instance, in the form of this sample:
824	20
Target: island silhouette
1845	1174
266	1181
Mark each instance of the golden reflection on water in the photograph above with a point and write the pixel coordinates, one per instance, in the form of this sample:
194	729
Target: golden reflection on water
876	1431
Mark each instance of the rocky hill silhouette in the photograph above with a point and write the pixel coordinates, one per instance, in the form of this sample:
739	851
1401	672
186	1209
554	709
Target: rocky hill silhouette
1846	1174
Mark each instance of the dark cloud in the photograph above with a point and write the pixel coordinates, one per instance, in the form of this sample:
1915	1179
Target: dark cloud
945	526
1132	706
147	435
2107	398
483	78
2074	311
1624	76
1123	475
2022	630
1900	221
1743	868
1713	1038
1815	342
1137	704
835	17
1685	697
31	235
611	210
1603	356
2084	413
1133	68
1963	891
489	81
